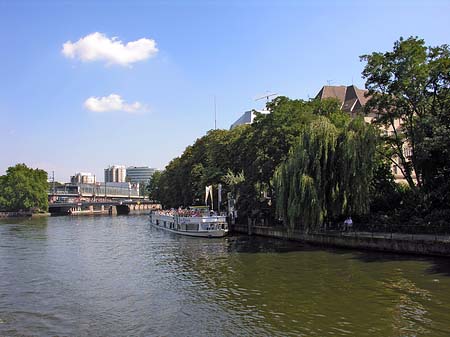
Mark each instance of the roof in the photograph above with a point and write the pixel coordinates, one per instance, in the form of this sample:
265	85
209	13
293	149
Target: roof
351	98
332	91
248	117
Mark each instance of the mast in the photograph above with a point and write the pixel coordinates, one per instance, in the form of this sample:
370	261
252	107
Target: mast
215	113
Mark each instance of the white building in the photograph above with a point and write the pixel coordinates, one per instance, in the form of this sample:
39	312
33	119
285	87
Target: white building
82	178
248	117
115	174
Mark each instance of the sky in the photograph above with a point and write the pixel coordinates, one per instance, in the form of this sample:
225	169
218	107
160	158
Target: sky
88	84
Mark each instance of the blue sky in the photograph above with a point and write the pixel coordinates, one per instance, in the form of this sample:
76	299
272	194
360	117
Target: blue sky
234	50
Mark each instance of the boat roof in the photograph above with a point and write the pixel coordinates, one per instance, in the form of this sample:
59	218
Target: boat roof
200	208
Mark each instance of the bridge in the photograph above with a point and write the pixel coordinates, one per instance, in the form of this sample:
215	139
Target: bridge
99	198
101	207
93	192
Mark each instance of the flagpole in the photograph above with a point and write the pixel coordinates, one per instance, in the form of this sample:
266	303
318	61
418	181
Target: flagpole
212	199
219	196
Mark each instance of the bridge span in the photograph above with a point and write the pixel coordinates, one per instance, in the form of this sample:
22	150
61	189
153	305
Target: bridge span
112	207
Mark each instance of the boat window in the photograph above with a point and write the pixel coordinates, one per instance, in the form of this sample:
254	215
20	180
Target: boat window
192	227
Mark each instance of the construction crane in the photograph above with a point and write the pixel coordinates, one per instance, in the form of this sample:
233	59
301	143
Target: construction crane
266	96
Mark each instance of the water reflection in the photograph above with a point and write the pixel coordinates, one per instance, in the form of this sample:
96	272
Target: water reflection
32	228
305	290
119	276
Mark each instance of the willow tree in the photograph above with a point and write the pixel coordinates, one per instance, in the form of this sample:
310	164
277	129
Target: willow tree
326	175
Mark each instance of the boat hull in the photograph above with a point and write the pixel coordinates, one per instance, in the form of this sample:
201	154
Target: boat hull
205	227
218	233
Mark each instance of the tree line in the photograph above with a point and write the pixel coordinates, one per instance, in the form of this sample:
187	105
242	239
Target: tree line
308	163
258	164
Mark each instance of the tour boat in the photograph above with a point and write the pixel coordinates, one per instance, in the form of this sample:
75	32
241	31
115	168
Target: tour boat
196	221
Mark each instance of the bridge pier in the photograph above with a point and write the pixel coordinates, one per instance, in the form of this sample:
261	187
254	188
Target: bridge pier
112	210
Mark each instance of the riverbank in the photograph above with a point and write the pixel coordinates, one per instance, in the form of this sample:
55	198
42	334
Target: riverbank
4	215
387	242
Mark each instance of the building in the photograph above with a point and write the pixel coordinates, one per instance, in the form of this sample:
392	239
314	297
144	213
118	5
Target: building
353	101
351	98
115	174
139	174
247	117
82	178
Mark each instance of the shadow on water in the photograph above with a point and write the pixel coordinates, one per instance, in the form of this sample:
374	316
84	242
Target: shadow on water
257	244
37	222
26	227
439	265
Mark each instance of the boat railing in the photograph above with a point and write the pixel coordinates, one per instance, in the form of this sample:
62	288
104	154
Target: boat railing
192	219
208	219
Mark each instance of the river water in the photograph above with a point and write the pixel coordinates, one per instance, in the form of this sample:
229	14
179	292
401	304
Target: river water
118	276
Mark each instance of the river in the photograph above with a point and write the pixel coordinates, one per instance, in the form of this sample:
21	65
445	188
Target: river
118	276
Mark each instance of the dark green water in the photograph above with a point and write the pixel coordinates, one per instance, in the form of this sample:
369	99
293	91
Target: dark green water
118	276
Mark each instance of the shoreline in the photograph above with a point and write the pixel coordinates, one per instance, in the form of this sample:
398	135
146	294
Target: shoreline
7	215
429	245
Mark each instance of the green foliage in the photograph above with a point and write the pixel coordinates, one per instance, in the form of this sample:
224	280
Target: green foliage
232	179
326	107
153	186
250	151
411	85
316	164
55	184
244	159
327	174
23	188
270	140
204	163
385	194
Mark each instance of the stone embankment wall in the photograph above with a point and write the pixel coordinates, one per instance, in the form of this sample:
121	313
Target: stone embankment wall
14	214
353	241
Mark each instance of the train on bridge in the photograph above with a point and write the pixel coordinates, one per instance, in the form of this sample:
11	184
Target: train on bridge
101	207
95	192
99	198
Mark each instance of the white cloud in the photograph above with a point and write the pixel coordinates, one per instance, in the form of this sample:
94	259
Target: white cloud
113	102
98	47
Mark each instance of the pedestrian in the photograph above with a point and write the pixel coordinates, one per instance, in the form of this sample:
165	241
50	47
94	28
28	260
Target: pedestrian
348	224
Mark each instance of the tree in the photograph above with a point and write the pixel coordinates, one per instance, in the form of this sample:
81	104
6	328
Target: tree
327	174
409	89
384	192
233	181
270	138
23	188
250	151
153	186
